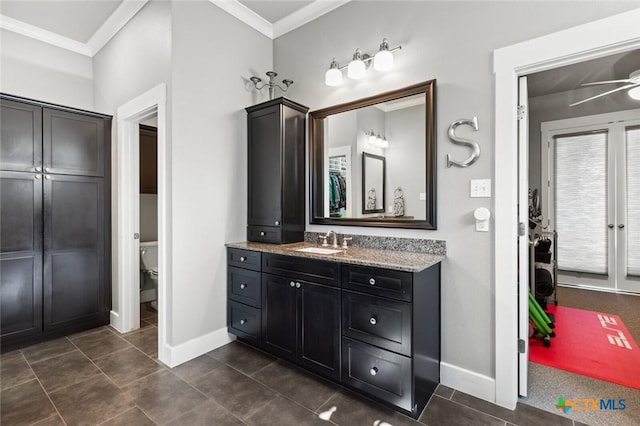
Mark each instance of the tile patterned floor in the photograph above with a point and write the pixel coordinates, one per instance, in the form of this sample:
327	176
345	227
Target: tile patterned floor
103	377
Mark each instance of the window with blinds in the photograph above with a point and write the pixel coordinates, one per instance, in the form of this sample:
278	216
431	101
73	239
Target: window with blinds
580	189
633	200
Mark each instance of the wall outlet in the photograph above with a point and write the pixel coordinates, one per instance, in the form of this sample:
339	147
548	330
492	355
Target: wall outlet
480	188
482	226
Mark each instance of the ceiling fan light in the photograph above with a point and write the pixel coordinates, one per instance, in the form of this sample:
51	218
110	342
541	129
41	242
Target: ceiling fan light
634	92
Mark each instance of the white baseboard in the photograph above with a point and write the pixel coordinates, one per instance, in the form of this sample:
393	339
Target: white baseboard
176	355
467	381
115	321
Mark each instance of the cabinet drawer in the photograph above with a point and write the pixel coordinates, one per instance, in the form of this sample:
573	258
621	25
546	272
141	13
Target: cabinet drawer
264	234
380	373
381	282
244	258
381	322
244	286
319	271
244	321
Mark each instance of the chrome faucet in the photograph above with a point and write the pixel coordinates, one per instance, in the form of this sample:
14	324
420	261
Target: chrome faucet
335	238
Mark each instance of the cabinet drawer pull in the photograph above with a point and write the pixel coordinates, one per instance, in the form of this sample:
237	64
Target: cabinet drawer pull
297	285
262	234
373	320
243	321
242	258
243	286
292	284
372	281
277	222
373	371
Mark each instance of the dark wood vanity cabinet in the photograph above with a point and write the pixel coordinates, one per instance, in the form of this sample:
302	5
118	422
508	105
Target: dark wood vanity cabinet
276	164
374	330
55	220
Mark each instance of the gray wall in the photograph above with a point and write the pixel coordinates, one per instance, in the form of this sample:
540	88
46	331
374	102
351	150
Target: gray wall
453	43
37	70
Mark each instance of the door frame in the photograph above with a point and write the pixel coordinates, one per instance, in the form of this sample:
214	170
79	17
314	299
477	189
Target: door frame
127	267
615	34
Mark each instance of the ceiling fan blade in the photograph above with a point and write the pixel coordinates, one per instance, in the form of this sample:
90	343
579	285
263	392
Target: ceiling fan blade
628	86
627	80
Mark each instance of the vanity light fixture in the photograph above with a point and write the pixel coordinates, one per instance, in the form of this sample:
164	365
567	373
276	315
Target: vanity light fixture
376	140
356	69
271	84
634	93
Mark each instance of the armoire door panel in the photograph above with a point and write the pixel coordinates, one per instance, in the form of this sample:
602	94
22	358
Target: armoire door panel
20	254
73	143
75	212
20	136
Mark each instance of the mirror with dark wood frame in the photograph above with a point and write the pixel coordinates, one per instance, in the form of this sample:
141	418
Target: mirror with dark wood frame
397	129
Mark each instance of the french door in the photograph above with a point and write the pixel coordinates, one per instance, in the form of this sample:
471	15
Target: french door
593	198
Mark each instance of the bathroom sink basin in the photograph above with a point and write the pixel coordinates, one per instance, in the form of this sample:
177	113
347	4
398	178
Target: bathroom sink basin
319	250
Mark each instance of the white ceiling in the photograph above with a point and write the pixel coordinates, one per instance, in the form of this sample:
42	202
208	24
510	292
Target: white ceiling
85	26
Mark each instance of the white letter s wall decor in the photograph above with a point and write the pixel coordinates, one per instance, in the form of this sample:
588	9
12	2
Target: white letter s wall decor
463	141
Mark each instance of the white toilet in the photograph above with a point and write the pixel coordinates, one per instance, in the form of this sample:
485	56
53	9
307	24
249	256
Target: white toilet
149	266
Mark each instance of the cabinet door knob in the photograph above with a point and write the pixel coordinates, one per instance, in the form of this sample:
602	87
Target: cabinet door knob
243	321
38	169
292	284
47	177
277	222
372	281
610	226
37	176
297	285
621	226
242	258
262	233
243	286
47	169
373	320
373	371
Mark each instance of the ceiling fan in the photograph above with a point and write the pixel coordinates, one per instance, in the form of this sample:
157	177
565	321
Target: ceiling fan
633	86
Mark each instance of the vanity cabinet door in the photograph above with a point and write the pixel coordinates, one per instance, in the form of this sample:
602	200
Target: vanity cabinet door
279	327
319	335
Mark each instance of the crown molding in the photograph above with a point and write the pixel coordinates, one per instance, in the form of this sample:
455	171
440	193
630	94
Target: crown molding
305	15
118	19
246	15
42	35
114	23
284	25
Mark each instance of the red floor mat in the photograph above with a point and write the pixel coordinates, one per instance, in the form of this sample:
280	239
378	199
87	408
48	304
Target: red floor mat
590	343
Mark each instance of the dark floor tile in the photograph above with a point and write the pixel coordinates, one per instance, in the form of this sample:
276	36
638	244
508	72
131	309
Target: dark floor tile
48	349
14	370
91	401
443	412
126	366
24	404
163	396
133	416
64	370
444	391
296	384
347	409
145	324
51	421
236	392
153	320
522	415
99	344
196	368
90	331
145	339
281	411
146	311
242	357
576	423
208	413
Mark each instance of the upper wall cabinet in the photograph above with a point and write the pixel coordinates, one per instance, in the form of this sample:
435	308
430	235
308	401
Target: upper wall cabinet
276	171
21	136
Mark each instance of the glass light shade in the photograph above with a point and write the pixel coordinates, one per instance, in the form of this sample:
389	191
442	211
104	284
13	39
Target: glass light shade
356	69
383	61
385	143
371	138
634	92
333	77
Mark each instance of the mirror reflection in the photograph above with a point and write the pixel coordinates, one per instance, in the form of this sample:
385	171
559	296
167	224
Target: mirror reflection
372	161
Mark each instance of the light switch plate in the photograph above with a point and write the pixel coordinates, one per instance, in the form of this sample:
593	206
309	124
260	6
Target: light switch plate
480	188
423	196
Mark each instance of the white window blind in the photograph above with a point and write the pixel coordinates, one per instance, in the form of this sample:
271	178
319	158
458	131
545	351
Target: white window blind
633	201
580	200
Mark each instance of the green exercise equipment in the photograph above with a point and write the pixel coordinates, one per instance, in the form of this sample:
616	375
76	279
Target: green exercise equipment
541	321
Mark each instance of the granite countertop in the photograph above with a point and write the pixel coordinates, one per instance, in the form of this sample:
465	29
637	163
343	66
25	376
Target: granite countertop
390	259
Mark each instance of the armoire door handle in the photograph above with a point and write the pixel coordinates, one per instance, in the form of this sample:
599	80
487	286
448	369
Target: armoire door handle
621	226
610	226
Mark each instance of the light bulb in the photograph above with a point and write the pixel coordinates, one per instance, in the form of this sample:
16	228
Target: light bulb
356	68
333	76
634	92
378	141
383	61
371	137
385	143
